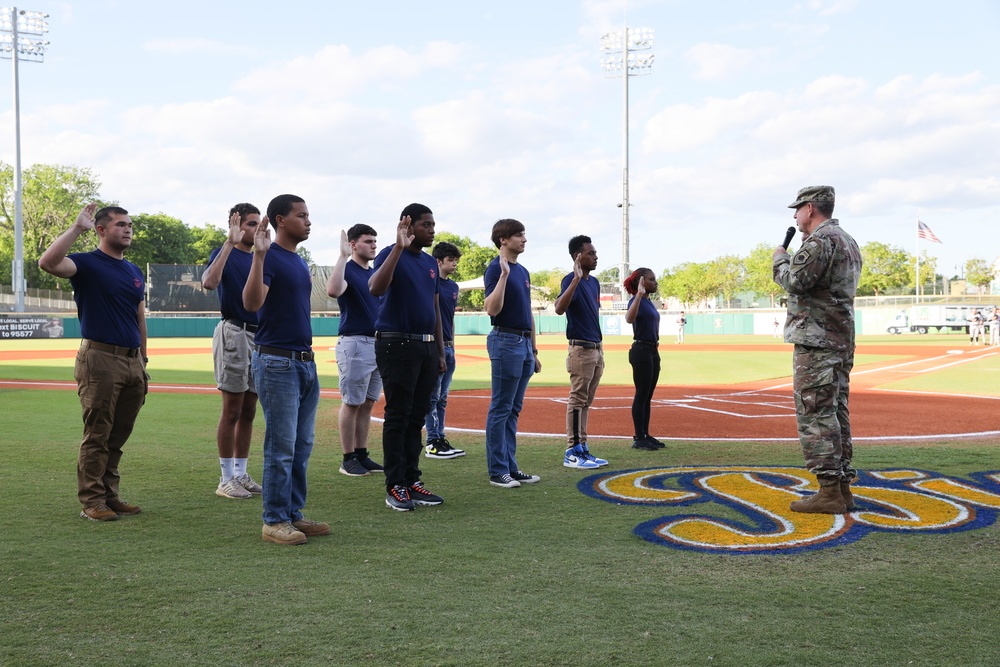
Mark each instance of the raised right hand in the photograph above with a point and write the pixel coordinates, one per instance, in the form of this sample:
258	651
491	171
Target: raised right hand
85	220
345	245
504	267
235	233
262	237
404	232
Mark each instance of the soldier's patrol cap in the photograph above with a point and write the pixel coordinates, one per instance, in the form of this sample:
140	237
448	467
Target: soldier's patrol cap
812	193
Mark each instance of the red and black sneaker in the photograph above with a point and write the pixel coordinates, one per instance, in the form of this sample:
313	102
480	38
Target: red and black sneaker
398	498
421	496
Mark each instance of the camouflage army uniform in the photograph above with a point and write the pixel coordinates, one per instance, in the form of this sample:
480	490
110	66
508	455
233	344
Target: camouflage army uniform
821	280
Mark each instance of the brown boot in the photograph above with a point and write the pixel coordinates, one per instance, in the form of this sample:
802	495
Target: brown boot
845	493
827	501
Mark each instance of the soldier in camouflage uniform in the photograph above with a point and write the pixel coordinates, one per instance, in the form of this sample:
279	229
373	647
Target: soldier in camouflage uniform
821	280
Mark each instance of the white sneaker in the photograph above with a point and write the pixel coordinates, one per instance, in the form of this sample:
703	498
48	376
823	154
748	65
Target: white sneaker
247	482
232	488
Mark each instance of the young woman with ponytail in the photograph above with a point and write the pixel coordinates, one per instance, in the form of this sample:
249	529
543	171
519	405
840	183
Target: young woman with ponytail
643	355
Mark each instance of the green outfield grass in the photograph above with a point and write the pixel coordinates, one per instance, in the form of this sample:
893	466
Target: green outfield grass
540	575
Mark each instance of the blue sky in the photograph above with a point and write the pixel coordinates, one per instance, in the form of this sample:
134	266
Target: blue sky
485	111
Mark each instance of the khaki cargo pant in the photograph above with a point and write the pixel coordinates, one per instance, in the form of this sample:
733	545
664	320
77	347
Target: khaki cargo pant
112	388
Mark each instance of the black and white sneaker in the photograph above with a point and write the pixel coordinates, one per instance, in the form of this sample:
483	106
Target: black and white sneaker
352	468
441	449
419	495
398	498
505	481
524	478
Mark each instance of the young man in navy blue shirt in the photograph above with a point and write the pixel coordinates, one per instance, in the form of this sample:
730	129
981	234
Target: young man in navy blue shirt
232	347
409	349
580	300
360	382
438	447
110	367
513	352
284	368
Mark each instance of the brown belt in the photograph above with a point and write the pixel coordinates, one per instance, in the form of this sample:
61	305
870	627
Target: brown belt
113	349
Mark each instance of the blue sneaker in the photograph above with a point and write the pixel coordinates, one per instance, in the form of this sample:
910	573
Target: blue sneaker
575	459
590	457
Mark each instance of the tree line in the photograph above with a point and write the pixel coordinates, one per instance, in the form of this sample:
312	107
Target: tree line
54	194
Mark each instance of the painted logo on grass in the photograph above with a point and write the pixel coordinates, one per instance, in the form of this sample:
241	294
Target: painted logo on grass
746	507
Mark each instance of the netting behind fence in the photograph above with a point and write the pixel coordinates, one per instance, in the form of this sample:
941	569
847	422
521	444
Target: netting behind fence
177	288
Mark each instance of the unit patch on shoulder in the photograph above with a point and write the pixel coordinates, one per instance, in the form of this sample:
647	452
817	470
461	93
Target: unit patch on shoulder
803	255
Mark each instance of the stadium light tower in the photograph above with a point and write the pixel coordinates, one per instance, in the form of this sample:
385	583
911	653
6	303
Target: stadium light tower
20	31
621	59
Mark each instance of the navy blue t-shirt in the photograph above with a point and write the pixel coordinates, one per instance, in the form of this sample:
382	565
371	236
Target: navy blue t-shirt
230	288
583	317
284	317
358	308
647	321
447	300
516	312
108	292
408	305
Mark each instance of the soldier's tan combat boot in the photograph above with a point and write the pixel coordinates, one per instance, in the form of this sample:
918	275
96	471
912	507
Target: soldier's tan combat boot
845	493
827	501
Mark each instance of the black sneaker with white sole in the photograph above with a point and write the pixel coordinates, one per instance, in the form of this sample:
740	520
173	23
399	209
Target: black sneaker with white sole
524	478
504	481
352	468
419	495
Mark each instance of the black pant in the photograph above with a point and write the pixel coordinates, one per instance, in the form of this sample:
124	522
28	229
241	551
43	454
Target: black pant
645	372
409	370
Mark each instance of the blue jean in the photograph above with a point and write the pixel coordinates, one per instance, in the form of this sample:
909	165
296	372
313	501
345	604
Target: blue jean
288	391
439	398
512	364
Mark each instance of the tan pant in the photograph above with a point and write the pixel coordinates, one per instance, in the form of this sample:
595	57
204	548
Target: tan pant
585	369
112	388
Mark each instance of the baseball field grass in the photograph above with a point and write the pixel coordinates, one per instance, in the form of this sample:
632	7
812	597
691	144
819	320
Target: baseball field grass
540	575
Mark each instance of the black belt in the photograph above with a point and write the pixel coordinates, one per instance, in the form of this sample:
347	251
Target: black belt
518	332
449	343
113	349
585	344
299	355
398	335
252	328
645	343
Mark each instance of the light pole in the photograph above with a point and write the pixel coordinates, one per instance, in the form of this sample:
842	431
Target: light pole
14	25
620	60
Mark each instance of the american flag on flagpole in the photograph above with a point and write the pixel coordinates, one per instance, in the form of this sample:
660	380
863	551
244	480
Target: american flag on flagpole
924	232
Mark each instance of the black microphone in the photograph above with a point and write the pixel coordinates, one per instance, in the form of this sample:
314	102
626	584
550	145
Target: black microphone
788	237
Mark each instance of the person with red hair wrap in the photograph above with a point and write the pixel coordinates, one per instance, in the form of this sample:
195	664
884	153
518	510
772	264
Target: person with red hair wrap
643	355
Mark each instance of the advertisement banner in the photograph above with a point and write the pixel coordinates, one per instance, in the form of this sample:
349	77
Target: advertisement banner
22	326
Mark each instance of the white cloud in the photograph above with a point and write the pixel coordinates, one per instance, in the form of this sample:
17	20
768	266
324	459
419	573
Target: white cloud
191	45
713	61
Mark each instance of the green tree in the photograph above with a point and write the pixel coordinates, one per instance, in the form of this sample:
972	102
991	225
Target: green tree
472	265
158	238
610	275
548	284
205	240
51	198
305	255
688	282
885	268
979	273
928	270
727	274
758	276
